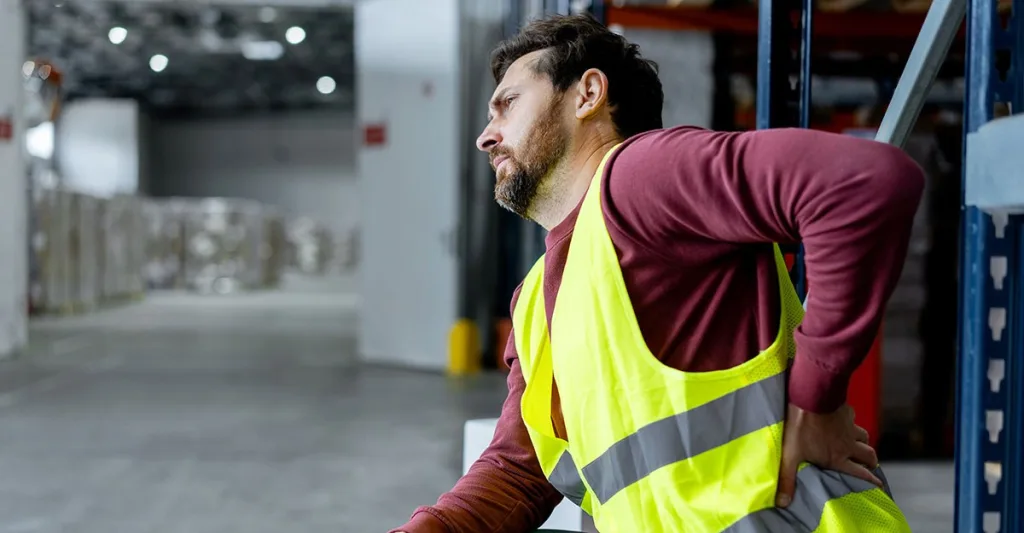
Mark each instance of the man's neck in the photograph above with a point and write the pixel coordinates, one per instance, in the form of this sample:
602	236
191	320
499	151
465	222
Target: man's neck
572	180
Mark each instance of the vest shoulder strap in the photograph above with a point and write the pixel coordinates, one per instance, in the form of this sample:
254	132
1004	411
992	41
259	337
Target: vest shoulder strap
529	318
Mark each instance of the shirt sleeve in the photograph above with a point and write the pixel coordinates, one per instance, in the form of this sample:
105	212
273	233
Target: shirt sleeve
690	194
505	491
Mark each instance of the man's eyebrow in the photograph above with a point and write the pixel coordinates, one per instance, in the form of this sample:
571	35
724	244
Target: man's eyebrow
496	101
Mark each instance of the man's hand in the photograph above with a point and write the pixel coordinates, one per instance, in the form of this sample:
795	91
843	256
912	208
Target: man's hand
829	441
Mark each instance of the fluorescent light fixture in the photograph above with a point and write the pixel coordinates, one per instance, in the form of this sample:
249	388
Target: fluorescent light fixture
262	50
117	34
295	35
158	63
326	85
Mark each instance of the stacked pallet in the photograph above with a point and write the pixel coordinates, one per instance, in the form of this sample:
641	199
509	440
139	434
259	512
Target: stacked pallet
311	246
213	245
84	251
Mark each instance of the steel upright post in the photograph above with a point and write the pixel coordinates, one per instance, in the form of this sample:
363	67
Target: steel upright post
990	363
779	103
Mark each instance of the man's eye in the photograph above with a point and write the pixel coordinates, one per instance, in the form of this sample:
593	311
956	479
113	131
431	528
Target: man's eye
509	100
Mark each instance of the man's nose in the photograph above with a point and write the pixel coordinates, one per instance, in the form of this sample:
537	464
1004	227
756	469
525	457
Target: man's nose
488	139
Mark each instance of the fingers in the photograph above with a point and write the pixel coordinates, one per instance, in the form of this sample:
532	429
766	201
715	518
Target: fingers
787	479
860	434
864	454
860	472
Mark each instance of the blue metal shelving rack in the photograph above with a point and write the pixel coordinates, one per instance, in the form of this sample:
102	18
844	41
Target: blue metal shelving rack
990	392
782	104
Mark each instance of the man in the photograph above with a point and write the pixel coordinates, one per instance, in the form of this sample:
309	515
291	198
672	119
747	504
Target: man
648	343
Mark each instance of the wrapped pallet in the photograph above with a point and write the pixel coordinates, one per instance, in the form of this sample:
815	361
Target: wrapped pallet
124	248
137	246
223	243
86	249
66	257
49	223
311	246
164	237
274	248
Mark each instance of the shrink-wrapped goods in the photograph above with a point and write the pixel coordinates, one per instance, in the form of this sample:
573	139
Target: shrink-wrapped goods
49	247
164	250
223	242
311	246
86	250
274	248
124	235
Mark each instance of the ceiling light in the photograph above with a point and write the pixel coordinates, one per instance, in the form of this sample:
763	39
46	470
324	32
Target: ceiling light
295	35
28	68
117	35
158	63
326	85
262	50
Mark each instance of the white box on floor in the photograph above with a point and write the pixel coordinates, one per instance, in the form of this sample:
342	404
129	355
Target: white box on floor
477	436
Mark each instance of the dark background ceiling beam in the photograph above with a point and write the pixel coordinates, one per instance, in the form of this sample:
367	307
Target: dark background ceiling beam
207	70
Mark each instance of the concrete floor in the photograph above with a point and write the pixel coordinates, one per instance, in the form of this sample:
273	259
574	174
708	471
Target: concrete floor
247	413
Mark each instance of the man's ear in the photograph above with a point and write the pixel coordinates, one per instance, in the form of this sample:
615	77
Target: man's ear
592	93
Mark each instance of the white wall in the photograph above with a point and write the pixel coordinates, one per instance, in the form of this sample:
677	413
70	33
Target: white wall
13	181
303	163
97	146
408	78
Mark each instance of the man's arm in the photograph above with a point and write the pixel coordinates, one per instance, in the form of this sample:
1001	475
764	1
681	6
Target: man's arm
850	201
505	490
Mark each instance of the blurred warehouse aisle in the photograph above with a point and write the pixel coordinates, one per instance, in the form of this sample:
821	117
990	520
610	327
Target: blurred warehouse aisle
248	413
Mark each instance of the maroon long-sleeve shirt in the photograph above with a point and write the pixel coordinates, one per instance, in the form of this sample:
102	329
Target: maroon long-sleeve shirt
692	214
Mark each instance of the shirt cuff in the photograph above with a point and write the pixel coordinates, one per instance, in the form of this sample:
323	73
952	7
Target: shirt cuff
816	389
422	522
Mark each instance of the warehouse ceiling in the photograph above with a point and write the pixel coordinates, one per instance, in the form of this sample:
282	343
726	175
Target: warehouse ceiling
181	58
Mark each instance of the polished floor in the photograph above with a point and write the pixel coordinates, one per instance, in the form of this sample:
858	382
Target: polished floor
247	413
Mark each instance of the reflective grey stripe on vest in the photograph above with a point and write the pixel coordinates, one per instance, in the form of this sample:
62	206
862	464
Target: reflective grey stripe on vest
566	478
687	435
814	488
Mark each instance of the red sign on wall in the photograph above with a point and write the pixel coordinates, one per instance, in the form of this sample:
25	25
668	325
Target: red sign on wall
375	135
6	129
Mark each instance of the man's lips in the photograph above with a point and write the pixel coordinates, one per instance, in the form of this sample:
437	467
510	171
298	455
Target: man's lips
498	162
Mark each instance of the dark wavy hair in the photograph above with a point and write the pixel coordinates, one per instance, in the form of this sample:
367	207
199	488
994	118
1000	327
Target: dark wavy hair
576	43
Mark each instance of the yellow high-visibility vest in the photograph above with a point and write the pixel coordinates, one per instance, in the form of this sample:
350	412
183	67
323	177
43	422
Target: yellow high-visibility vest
651	449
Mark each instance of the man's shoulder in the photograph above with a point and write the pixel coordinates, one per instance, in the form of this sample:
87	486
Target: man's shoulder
654	140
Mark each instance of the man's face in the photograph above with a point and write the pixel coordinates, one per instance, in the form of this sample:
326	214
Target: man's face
526	136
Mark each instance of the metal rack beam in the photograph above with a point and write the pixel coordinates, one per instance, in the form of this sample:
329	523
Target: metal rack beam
937	35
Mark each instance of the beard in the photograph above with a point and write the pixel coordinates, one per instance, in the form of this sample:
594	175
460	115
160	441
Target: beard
527	167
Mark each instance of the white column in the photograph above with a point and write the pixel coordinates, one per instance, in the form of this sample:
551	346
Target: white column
13	172
409	170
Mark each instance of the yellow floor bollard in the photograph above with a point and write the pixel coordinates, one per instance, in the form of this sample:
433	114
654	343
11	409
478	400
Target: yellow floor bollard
464	348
